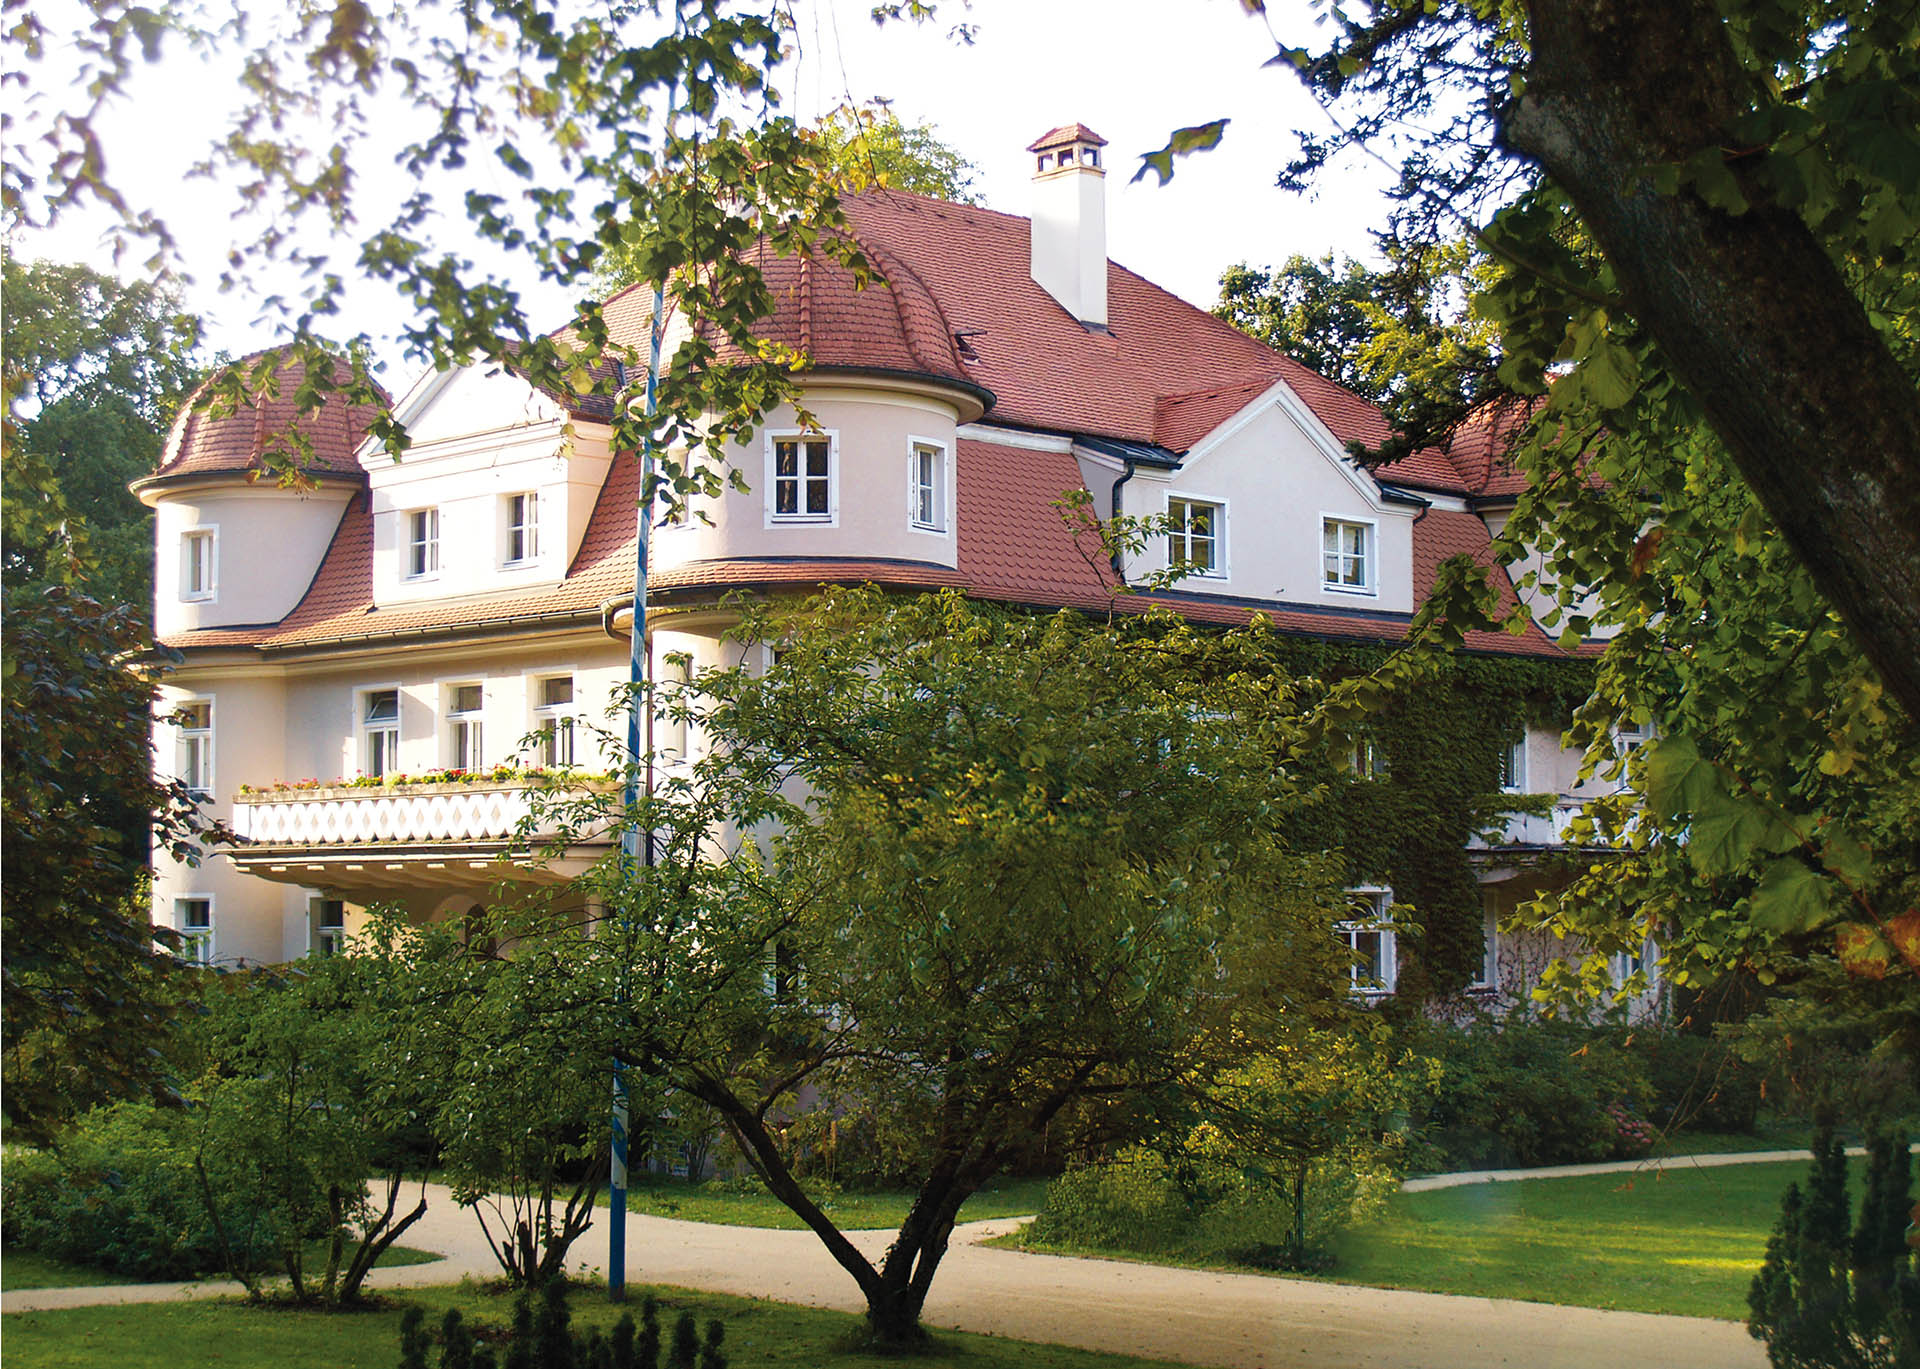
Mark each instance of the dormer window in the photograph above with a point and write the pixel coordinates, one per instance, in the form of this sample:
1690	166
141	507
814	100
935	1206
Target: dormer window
800	482
197	565
523	528
1347	556
423	544
1196	535
927	486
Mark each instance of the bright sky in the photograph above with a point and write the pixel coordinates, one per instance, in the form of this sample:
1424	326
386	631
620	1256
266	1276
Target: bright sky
1131	70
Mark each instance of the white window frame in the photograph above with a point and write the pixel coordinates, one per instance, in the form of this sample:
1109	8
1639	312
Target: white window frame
520	518
364	730
1369	554
325	938
208	592
1380	923
1488	979
196	943
555	721
1629	736
187	741
422	554
1622	964
1513	766
1218	537
470	721
829	519
1367	759
941	521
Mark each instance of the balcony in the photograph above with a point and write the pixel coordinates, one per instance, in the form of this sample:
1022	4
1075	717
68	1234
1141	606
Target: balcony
1534	831
456	833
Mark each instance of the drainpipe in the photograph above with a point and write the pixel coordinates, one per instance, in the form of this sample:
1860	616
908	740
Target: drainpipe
1119	569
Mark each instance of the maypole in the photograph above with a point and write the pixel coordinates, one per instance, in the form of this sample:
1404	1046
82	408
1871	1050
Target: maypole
636	837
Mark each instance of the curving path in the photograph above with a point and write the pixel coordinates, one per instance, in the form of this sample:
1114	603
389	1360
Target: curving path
1234	1321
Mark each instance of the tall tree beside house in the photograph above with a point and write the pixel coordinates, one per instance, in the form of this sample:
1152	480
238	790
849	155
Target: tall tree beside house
1037	880
87	992
101	365
870	145
1702	206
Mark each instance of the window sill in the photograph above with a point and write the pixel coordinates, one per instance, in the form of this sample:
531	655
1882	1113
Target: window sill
1362	591
805	520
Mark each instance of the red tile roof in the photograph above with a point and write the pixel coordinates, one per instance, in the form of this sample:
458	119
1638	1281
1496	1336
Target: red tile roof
1478	448
1163	372
1066	133
200	443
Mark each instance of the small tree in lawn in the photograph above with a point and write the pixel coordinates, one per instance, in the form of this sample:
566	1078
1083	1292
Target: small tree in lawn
302	1101
962	872
1827	1298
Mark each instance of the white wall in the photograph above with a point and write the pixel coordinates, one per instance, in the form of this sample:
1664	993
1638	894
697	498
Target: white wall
267	545
1277	485
872	429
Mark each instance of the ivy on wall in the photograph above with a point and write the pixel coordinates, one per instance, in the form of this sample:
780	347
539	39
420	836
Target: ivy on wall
1437	740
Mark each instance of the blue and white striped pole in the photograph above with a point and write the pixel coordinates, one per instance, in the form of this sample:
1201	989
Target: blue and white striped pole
636	844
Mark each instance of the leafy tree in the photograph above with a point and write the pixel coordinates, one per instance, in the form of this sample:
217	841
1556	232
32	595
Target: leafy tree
1829	1299
870	146
1039	876
101	366
86	987
1390	334
1703	207
303	1098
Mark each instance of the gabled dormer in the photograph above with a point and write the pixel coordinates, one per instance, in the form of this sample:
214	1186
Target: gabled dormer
493	494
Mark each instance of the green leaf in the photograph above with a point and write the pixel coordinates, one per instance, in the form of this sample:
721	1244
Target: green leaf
1678	779
1184	142
1791	897
1729	831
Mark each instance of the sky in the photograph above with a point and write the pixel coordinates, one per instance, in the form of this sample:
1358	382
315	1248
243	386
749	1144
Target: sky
1132	71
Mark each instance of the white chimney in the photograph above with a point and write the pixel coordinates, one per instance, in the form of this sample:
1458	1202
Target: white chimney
1070	221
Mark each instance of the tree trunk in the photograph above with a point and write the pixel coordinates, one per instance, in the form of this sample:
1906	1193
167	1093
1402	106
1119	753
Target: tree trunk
1749	310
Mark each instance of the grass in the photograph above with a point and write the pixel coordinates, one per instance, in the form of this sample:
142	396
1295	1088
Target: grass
725	1205
1681	1240
29	1269
1684	1241
232	1335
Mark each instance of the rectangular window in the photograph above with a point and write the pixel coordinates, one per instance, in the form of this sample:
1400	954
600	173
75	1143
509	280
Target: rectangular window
329	926
1370	939
1489	976
1346	554
380	732
927	487
554	719
523	527
193	919
464	747
1630	735
1513	765
1194	529
423	543
194	760
803	479
1366	759
196	565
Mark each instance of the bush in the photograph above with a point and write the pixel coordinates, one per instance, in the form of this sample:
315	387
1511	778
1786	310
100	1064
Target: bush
121	1193
1537	1092
1142	1203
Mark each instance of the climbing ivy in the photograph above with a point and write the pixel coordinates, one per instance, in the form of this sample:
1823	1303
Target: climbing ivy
1438	732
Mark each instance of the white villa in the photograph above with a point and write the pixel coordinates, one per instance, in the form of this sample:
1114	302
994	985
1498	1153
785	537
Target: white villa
409	618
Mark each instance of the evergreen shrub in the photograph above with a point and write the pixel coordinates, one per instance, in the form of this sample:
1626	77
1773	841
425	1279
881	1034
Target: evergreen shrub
541	1336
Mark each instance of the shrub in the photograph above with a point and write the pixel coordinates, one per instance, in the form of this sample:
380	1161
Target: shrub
1213	1212
120	1192
542	1337
1825	1299
1533	1092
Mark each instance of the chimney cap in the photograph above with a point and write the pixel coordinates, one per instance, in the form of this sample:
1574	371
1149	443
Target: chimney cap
1065	135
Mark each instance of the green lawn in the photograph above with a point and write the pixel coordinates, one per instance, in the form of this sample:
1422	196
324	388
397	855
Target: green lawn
724	1205
29	1269
1686	1240
232	1335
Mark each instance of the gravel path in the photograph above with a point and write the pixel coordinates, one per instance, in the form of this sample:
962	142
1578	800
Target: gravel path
1233	1321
